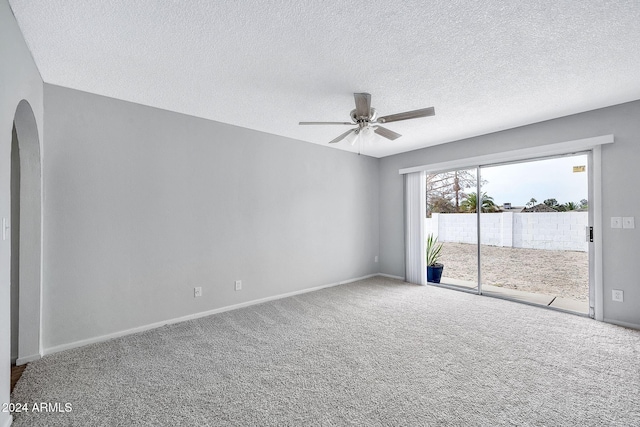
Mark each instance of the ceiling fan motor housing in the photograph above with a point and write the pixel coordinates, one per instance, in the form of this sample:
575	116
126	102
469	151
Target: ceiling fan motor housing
364	120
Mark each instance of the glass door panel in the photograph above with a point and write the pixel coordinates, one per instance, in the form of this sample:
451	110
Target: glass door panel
533	232
451	220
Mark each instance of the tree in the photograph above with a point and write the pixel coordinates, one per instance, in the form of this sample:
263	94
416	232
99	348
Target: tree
552	203
570	206
584	204
449	186
471	202
439	205
531	202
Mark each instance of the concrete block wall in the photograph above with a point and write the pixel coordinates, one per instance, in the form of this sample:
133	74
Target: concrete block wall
461	228
535	230
555	231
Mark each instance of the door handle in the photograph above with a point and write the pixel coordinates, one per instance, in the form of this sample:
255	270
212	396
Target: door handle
589	234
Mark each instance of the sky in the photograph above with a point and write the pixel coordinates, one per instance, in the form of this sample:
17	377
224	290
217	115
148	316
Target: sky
542	179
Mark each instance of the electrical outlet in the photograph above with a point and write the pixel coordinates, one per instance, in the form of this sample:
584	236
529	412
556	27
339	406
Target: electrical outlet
616	222
628	222
197	292
617	295
238	285
375	259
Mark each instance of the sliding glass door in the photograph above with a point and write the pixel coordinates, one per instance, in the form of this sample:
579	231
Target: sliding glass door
516	231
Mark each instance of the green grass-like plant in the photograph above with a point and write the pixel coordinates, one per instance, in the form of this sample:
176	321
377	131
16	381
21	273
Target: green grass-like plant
434	250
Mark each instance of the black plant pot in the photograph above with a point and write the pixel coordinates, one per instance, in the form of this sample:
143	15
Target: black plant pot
434	273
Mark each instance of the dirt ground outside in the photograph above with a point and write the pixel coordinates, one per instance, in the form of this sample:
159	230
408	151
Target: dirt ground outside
560	273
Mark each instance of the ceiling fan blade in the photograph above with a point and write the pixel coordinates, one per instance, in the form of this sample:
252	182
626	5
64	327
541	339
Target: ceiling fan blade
423	112
326	123
389	134
343	136
363	104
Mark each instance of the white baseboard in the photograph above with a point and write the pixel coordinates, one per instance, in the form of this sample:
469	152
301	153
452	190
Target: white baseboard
346	281
625	324
8	420
81	343
391	276
27	359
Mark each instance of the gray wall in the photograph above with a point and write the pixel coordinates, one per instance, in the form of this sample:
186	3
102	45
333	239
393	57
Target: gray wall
19	79
144	204
620	175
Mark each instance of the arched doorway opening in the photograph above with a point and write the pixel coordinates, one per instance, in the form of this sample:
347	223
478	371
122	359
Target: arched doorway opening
26	237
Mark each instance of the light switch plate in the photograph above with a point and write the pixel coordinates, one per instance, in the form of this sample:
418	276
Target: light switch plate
628	222
616	222
238	285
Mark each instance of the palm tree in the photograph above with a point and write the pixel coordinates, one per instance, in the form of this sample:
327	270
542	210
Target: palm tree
471	202
570	206
584	204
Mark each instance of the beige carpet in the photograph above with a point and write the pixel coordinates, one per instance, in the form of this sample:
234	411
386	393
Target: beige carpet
375	352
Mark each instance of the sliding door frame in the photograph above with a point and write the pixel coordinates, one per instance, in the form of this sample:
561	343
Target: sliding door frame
478	229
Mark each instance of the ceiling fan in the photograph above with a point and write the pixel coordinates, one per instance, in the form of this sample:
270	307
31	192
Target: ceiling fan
366	119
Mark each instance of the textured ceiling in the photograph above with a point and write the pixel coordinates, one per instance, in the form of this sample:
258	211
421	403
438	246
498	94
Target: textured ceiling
484	65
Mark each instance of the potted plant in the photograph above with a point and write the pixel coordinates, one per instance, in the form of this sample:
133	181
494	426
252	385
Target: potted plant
434	268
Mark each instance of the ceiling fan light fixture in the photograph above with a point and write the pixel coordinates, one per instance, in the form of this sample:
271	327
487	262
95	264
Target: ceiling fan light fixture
367	132
353	137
